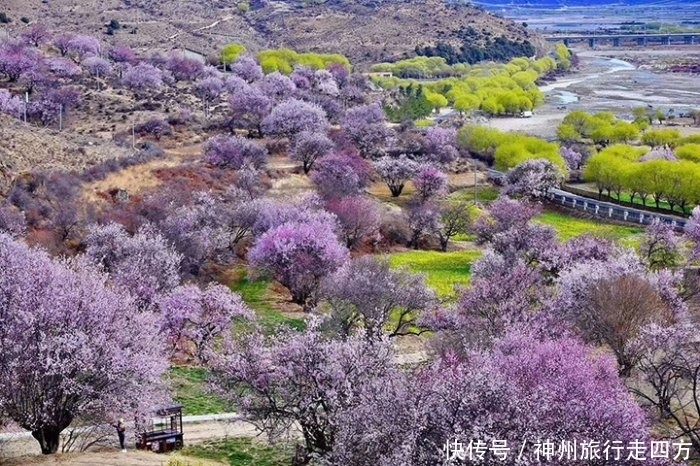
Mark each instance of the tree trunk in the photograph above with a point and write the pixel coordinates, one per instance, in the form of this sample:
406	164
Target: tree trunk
301	457
625	368
299	297
48	438
415	239
443	243
395	189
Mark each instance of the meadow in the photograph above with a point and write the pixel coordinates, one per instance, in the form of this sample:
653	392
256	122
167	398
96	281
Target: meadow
568	227
238	452
443	270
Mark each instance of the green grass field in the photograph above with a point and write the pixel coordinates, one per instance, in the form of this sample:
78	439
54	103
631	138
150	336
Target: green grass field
255	294
568	227
188	386
483	194
240	452
443	270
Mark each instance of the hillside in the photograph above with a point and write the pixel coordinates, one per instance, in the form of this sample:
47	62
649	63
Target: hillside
366	31
27	147
583	3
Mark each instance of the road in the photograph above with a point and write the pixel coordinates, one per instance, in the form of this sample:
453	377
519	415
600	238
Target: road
617	212
605	210
196	429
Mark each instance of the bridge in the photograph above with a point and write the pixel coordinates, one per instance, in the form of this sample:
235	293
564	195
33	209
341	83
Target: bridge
617	40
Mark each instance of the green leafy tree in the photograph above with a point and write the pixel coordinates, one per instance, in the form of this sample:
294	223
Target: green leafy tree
283	60
581	122
437	101
661	137
466	103
567	133
480	140
682	184
642	117
689	152
608	172
602	134
660	115
624	151
654	175
492	106
635	183
562	55
522	148
695	115
624	132
230	52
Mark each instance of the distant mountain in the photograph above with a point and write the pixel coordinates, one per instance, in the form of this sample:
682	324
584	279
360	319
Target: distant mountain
366	31
499	4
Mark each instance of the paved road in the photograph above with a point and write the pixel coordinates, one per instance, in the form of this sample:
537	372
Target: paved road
613	211
605	210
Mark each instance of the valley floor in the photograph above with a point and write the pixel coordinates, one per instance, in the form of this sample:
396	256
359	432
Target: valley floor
615	80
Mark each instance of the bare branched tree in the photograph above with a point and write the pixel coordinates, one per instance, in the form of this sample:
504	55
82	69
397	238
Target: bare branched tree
616	311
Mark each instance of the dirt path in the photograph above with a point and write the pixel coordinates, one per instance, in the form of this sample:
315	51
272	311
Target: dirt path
214	24
111	458
25	450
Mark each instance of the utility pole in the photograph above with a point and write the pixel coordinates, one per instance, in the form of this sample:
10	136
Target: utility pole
26	103
474	171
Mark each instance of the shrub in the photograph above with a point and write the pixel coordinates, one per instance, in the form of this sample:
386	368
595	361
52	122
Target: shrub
234	152
156	127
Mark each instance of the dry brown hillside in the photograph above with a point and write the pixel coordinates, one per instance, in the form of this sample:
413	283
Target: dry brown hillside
365	30
29	148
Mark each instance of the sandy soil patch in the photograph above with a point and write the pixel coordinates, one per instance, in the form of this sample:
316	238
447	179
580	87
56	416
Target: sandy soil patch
141	177
290	185
112	458
25	450
133	179
279	162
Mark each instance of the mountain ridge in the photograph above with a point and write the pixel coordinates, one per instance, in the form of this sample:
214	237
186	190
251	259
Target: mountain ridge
584	3
366	31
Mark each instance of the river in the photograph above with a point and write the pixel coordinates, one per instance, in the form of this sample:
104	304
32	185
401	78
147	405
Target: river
605	81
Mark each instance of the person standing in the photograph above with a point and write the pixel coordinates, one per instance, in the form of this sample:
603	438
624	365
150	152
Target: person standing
121	432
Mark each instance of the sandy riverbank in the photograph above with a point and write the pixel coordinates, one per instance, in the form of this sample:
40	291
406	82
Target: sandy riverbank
616	80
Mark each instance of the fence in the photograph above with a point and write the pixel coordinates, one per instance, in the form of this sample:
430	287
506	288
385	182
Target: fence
612	211
601	209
